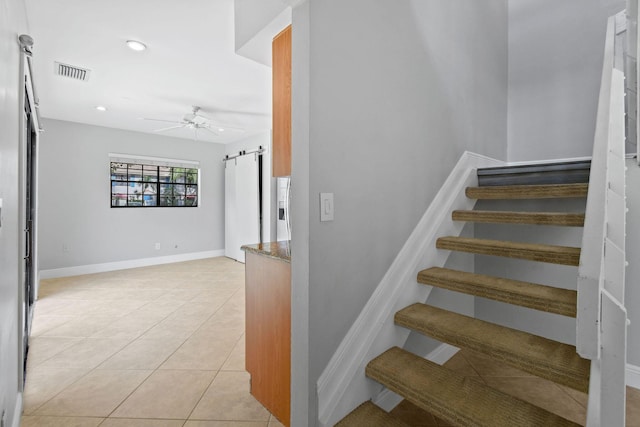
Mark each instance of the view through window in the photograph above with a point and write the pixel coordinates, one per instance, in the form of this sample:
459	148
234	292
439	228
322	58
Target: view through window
136	185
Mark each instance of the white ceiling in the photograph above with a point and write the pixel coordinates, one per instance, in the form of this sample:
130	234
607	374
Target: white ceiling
190	60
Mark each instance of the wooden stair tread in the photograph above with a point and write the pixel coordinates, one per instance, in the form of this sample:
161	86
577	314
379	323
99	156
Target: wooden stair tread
547	191
370	415
539	356
509	217
530	251
458	400
525	294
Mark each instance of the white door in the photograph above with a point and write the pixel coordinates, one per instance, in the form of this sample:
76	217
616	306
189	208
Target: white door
242	215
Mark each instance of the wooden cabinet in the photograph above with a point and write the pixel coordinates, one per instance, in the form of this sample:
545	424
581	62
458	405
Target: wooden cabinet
268	332
281	64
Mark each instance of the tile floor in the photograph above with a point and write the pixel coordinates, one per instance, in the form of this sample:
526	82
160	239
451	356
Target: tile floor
560	400
154	346
164	346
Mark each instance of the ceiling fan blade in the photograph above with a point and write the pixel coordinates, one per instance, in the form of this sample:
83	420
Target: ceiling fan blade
229	128
160	120
210	130
169	128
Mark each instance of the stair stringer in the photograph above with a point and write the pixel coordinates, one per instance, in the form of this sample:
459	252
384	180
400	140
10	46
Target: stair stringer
343	384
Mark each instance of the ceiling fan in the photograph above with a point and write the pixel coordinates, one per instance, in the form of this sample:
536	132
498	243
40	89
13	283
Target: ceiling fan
194	120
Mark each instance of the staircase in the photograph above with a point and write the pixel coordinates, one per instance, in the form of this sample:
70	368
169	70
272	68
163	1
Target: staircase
448	395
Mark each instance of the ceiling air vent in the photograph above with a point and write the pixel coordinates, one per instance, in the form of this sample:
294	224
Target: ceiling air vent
77	73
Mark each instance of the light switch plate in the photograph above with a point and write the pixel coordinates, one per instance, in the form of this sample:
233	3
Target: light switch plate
326	207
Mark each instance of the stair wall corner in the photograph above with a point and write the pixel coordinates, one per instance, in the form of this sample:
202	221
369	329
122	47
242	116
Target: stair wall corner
343	385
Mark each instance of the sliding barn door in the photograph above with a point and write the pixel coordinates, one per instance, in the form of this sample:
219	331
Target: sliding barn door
242	207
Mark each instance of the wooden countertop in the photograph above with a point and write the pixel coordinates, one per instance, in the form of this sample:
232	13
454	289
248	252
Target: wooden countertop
277	250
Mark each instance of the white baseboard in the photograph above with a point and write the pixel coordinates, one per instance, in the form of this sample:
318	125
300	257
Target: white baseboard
633	376
122	265
17	412
343	385
388	400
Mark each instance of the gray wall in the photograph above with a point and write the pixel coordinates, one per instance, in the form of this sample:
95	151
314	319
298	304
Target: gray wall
398	90
632	297
12	22
75	203
555	63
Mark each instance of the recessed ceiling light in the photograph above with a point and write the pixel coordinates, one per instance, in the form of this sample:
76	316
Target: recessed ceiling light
220	130
136	45
101	108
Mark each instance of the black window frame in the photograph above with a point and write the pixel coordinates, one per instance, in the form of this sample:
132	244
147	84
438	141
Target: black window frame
182	181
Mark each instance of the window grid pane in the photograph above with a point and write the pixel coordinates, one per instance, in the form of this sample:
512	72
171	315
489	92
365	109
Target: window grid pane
136	185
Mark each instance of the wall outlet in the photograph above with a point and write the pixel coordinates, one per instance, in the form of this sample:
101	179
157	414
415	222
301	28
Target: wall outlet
175	246
65	247
157	246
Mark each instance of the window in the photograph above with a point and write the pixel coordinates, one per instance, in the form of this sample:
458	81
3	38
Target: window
141	185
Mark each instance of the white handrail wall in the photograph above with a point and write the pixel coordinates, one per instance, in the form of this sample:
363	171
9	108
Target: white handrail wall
587	335
602	317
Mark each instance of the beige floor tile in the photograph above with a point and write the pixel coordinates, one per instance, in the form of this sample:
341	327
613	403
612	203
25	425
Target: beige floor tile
68	307
96	394
220	329
236	360
119	308
153	312
44	384
88	353
192	423
216	296
181	294
135	294
44	323
142	354
80	327
44	421
160	308
188	319
228	398
542	393
130	326
137	422
166	395
42	348
273	422
50	305
198	353
168	331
